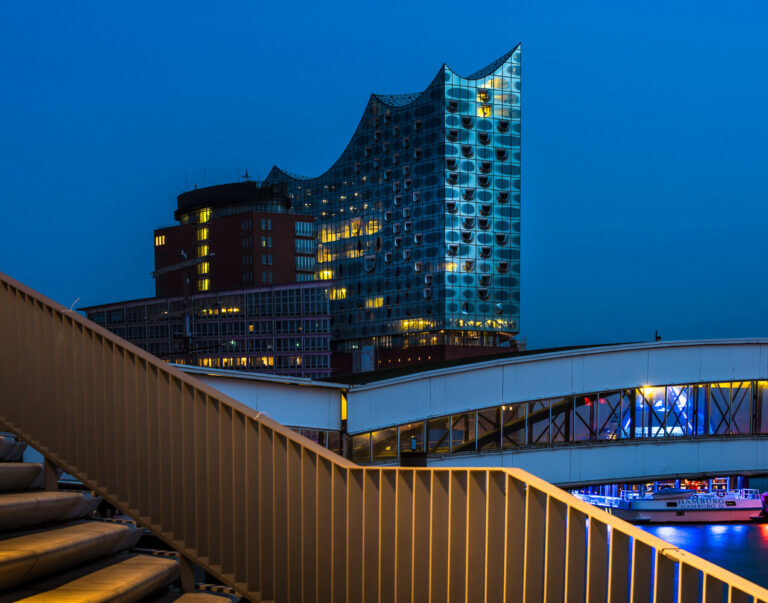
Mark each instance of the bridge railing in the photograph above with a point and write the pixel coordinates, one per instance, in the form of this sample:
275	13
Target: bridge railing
280	518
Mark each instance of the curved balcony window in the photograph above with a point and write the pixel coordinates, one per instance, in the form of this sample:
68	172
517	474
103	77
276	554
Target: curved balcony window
466	236
417	238
406	212
452	106
485	209
484	223
452	135
387	257
501	154
387	216
368	151
469	194
453	178
485	252
502	196
417	153
369	263
451	163
485	280
396	228
482	293
427	279
501	239
467	150
417	267
502	125
407	226
416	196
452	249
406	254
451	207
427	293
469	265
467	121
469	222
485	167
484	138
502	267
406	170
484	181
398	242
398	200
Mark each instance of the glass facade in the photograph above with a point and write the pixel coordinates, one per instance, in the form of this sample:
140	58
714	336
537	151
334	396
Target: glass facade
732	408
418	222
282	330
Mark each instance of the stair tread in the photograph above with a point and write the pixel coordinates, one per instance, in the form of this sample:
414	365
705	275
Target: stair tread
193	598
125	578
21	476
29	555
23	509
11	449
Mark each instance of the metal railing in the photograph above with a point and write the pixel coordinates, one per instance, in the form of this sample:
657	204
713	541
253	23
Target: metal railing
279	518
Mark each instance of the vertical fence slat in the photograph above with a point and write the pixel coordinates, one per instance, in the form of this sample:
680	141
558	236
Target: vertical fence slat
575	556
618	570
664	579
371	548
687	583
387	535
308	526
514	541
476	538
535	529
438	536
404	535
457	536
355	534
554	561
323	547
641	572
339	535
420	546
597	561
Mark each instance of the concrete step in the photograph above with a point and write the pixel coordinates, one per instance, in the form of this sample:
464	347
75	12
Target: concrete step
124	578
28	556
175	597
26	509
21	476
11	450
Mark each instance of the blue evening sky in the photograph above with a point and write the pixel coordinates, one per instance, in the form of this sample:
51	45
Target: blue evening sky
645	139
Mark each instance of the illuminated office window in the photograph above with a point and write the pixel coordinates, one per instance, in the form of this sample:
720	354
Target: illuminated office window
204	215
203	284
159	240
202	251
202	234
203	268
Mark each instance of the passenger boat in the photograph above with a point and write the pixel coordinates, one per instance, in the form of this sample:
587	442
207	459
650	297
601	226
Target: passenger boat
673	505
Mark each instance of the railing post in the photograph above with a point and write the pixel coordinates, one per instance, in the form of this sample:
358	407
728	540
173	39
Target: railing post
186	575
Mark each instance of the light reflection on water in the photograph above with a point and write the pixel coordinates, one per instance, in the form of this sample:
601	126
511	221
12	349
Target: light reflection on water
740	548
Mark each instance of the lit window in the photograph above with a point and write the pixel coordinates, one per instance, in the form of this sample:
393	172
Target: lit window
203	284
203	268
202	234
484	111
374	302
159	240
204	215
202	251
338	294
325	275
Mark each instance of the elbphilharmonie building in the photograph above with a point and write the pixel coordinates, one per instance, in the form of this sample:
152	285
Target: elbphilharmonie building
418	221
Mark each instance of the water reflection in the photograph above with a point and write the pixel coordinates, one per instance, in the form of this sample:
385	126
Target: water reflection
740	548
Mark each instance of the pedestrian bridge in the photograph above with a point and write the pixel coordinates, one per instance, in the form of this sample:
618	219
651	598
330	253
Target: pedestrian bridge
605	414
279	518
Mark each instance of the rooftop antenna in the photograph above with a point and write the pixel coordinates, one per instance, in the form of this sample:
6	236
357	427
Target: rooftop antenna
658	337
245	176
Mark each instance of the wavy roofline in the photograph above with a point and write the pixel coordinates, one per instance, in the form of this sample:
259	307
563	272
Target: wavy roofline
394	100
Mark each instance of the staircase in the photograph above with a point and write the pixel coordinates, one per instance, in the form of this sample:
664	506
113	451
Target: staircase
54	547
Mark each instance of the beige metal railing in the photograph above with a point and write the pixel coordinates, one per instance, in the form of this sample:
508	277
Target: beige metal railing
281	519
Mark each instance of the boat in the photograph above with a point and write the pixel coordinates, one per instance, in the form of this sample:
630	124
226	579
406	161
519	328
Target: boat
675	505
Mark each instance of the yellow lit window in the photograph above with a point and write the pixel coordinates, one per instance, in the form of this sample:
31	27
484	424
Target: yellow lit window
372	227
483	96
203	284
202	234
203	268
202	251
325	275
374	302
338	294
159	240
204	215
484	111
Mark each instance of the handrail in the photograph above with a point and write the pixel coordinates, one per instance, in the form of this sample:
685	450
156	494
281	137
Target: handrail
279	518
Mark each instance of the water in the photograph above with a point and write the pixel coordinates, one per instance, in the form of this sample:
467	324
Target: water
740	548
